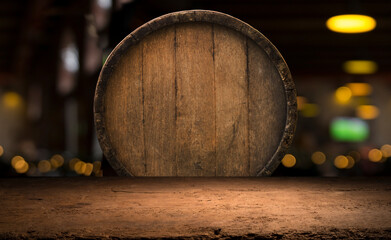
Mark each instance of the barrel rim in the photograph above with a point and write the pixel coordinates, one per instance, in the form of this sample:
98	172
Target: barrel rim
196	16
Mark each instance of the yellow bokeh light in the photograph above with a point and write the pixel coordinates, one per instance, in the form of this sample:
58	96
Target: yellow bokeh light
12	100
360	89
341	161
318	158
350	162
15	160
386	150
310	110
56	161
44	166
343	95
360	67
351	23
80	167
289	161
375	155
1	150
367	112
300	102
21	166
96	167
88	170
73	162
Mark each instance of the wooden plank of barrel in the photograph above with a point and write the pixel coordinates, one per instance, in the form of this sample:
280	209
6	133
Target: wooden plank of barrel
195	93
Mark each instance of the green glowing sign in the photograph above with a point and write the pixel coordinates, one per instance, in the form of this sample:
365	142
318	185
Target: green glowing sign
349	129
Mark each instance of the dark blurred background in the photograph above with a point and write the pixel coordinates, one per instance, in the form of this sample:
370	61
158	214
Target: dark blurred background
51	53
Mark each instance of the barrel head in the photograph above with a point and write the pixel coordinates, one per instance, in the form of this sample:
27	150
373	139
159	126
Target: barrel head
195	93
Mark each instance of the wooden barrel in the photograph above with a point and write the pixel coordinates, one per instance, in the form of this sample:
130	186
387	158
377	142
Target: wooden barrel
195	93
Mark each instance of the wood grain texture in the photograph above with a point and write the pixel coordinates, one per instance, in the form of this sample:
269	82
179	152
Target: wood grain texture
195	93
124	111
232	156
159	102
267	108
195	124
195	208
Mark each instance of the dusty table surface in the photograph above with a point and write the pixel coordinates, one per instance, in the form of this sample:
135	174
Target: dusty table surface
195	208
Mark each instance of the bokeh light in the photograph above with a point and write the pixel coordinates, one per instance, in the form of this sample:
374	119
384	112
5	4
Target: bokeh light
12	100
367	112
351	162
289	161
88	169
21	167
375	155
360	67
70	58
44	166
96	166
73	162
300	102
80	167
360	89
56	161
349	129
1	150
15	160
351	23
386	150
341	162
19	164
318	158
343	95
105	4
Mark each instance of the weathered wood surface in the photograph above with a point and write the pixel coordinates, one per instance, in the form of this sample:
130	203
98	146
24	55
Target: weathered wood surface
195	93
267	108
122	104
232	103
195	208
159	104
196	138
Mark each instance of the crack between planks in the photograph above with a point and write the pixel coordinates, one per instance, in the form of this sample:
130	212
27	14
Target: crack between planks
142	97
248	109
214	92
176	97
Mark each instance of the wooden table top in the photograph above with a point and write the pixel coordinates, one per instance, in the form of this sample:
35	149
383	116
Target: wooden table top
194	208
